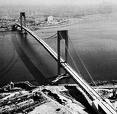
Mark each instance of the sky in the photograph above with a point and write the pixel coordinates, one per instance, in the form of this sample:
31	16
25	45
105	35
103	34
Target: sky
54	2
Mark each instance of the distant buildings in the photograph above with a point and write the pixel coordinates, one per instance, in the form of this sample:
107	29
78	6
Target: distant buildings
51	20
34	23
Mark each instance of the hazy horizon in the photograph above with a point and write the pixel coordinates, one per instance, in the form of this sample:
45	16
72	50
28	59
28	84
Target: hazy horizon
56	2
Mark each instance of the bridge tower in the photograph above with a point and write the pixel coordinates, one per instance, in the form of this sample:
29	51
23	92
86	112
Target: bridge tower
22	20
62	35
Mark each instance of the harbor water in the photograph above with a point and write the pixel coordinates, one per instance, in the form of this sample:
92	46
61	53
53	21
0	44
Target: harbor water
93	39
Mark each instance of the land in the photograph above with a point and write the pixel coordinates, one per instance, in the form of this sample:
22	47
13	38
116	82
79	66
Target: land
37	15
42	99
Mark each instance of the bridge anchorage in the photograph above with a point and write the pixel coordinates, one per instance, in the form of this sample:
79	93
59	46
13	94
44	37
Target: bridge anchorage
98	103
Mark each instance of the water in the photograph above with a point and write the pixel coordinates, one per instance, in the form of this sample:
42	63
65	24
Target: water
95	41
24	59
92	36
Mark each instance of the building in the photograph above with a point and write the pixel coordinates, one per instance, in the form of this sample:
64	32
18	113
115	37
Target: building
51	20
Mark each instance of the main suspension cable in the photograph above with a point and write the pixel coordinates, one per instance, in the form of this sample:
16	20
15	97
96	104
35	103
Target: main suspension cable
82	62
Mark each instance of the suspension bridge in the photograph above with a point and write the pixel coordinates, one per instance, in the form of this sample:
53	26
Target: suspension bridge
97	102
